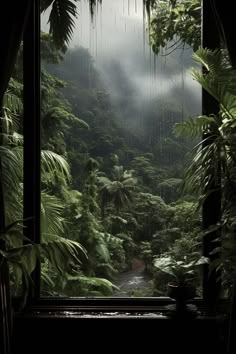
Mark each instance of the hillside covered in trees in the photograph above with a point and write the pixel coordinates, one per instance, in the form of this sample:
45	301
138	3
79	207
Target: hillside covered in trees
124	201
113	194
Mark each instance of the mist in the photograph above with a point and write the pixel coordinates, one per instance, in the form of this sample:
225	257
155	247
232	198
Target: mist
117	39
110	113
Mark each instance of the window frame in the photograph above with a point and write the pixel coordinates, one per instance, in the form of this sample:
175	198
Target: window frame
32	191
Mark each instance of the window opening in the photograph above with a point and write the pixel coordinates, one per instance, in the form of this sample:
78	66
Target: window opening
109	106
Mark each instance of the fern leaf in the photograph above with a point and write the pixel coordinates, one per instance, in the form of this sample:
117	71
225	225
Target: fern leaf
194	127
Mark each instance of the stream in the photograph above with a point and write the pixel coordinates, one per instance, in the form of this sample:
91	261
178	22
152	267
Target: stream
134	282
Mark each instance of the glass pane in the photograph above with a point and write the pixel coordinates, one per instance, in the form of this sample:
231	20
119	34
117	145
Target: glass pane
113	164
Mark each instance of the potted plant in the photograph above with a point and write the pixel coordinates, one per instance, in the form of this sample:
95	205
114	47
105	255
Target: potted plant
182	275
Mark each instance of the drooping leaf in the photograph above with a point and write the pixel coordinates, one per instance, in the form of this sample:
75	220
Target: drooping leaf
62	19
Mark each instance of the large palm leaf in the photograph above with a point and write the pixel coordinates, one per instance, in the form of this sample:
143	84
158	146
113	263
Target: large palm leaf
11	110
11	179
119	190
214	158
63	254
219	78
62	18
218	148
52	222
53	165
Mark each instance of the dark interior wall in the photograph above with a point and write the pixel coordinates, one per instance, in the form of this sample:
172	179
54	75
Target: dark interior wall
119	335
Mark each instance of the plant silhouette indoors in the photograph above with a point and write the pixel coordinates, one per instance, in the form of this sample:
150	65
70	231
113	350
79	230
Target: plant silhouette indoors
219	81
19	252
183	276
61	258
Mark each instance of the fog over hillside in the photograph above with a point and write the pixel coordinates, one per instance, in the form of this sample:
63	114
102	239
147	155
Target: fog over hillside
118	42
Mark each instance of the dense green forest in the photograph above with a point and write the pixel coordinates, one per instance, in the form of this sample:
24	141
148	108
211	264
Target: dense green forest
121	192
124	201
112	178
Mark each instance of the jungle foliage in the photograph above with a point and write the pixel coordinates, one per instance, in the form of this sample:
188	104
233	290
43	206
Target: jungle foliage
109	195
124	198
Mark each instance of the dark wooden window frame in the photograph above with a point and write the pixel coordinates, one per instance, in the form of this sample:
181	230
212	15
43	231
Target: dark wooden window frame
31	65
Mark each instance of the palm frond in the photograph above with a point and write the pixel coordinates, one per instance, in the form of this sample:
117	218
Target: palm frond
210	60
12	108
52	163
11	178
194	127
218	79
104	286
10	121
203	169
52	222
63	254
61	19
104	181
13	102
47	279
118	172
102	251
12	167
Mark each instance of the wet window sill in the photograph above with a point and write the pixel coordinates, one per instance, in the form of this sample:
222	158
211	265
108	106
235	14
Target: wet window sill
115	315
121	308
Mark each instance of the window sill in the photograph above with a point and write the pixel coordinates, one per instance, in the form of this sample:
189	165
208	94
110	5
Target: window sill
71	324
114	306
114	315
149	308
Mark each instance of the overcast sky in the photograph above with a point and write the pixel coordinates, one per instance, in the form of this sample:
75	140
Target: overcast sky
117	38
